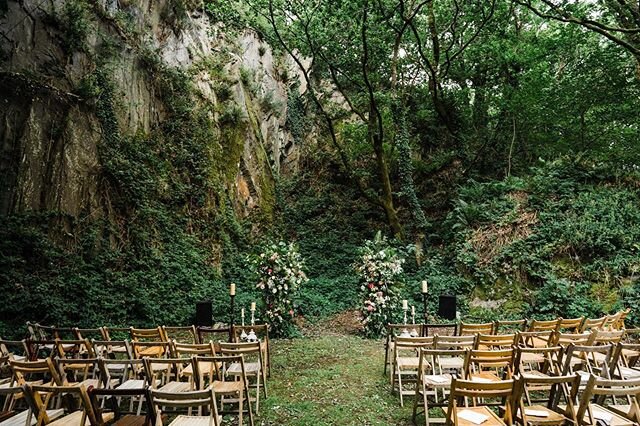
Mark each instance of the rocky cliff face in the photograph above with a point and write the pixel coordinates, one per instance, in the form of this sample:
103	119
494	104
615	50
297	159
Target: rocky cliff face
51	131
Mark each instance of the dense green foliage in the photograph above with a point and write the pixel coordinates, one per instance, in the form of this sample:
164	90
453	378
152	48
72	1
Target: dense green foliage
501	145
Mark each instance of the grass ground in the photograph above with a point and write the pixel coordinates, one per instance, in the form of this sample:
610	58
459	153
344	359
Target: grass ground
330	377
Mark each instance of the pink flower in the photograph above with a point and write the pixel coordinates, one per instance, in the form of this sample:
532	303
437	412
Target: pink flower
370	308
291	312
371	286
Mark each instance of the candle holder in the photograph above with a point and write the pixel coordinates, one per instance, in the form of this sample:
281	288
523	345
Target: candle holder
424	307
251	337
405	332
232	312
243	335
414	332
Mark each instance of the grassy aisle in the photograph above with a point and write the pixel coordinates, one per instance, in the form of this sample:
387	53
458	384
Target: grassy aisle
330	380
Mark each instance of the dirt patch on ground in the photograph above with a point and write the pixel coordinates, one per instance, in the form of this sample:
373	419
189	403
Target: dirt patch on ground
343	323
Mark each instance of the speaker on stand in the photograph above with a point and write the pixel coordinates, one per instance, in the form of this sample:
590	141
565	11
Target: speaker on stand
447	307
204	314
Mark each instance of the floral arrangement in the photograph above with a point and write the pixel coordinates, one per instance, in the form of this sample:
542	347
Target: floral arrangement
279	274
380	270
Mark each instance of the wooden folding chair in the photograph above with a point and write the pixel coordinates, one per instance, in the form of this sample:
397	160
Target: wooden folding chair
148	335
545	410
187	351
405	363
25	417
262	333
488	365
535	339
433	377
495	341
31	373
469	329
73	416
509	326
583	361
167	372
454	342
84	372
229	391
570	325
131	376
599	389
157	349
14	349
540	362
393	331
111	398
459	413
253	365
200	399
624	363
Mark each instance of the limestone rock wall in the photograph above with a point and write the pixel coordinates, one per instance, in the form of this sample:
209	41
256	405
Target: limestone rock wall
50	135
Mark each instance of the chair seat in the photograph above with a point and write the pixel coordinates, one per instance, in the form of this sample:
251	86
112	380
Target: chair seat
492	419
132	384
249	368
408	362
20	419
153	351
193	421
484	377
549	417
229	387
531	358
73	419
454	362
629	373
174	386
534	374
600	412
437	380
205	367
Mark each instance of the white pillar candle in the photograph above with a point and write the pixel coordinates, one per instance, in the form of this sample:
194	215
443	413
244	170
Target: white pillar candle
413	311
425	289
253	306
232	289
405	304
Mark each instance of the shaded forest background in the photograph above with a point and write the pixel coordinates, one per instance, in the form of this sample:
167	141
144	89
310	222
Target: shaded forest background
498	141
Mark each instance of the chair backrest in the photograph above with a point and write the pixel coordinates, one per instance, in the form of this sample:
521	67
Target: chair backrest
22	370
450	329
186	334
173	366
479	360
545	325
571	325
593	323
239	348
550	356
111	398
535	339
191	399
147	334
11	348
74	348
460	389
186	350
126	369
509	326
455	342
598	388
40	406
469	329
40	332
550	390
602	337
63	333
621	319
434	357
565	339
38	349
414	342
495	341
586	358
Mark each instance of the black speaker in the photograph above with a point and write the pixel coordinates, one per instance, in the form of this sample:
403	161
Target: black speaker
204	313
447	307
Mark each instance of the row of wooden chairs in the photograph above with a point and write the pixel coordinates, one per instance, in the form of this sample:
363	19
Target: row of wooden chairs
99	407
539	368
150	364
181	334
405	360
592	408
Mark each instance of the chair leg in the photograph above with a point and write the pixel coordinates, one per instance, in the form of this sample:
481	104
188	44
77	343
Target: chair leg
257	393
400	386
240	407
